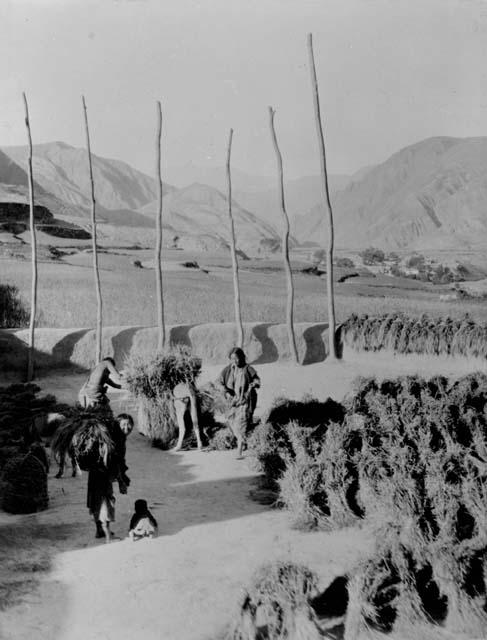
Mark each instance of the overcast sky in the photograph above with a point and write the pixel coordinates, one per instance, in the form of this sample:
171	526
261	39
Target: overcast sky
391	73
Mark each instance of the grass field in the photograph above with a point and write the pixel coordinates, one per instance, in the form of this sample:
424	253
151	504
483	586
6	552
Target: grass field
66	296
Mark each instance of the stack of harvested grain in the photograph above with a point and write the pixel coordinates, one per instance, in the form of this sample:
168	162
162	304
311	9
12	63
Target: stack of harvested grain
23	463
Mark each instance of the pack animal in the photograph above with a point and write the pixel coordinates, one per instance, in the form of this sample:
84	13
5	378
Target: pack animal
67	433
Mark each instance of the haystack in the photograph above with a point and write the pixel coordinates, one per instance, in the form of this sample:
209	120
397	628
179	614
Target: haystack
277	605
88	434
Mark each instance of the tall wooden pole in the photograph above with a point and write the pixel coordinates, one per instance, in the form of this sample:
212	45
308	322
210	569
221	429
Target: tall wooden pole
33	247
233	250
96	271
326	200
285	245
161	342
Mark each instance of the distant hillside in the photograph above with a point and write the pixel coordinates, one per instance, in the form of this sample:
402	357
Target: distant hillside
126	200
198	215
432	194
300	194
62	170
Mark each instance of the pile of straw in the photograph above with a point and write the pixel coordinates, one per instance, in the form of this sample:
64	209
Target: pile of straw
88	434
151	381
23	463
278	605
410	458
422	335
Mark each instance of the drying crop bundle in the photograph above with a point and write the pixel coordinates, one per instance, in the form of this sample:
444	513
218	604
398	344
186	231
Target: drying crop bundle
410	458
422	335
88	434
278	605
272	442
23	469
152	381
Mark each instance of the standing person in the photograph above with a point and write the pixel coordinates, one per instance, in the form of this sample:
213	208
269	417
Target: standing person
94	391
239	381
100	498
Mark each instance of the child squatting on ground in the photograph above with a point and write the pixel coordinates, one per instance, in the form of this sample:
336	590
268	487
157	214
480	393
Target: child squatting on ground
142	524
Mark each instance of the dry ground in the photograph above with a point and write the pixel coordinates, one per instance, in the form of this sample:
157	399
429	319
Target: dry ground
59	583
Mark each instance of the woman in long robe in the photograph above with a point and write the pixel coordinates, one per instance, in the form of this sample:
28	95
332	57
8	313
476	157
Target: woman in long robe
240	382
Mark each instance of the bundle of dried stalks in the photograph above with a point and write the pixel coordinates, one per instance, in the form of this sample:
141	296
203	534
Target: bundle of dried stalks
277	606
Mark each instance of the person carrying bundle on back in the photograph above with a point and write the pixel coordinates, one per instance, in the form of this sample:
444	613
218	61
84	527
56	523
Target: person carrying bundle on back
110	467
94	391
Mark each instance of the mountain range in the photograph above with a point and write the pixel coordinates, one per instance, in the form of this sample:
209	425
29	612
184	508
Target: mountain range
195	216
429	195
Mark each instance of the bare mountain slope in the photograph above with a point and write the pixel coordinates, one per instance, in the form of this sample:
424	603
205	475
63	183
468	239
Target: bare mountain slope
199	215
300	195
62	170
432	194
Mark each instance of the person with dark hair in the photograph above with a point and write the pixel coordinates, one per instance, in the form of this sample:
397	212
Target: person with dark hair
94	391
142	524
240	383
100	498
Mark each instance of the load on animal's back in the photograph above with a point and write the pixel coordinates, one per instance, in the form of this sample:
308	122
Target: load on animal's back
93	439
81	444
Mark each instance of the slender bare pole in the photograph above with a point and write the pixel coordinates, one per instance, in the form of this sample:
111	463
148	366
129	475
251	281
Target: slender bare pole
233	250
161	343
96	270
285	244
326	200
33	249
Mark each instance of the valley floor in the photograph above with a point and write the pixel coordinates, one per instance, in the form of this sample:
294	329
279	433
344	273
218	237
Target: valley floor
186	584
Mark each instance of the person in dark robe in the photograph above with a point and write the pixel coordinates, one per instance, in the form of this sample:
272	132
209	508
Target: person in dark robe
240	382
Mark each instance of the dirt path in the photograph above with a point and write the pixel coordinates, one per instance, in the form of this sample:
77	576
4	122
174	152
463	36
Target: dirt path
185	584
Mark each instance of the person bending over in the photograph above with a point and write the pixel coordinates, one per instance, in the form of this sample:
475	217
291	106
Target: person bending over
94	391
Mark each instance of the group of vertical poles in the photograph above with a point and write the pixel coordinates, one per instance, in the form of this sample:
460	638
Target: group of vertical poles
158	250
286	227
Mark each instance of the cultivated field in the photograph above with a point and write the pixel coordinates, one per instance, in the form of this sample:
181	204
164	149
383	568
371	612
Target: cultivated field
66	296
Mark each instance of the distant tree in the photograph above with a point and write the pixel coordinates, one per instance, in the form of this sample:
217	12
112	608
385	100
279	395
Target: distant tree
462	273
416	261
345	263
317	256
442	275
393	257
372	256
